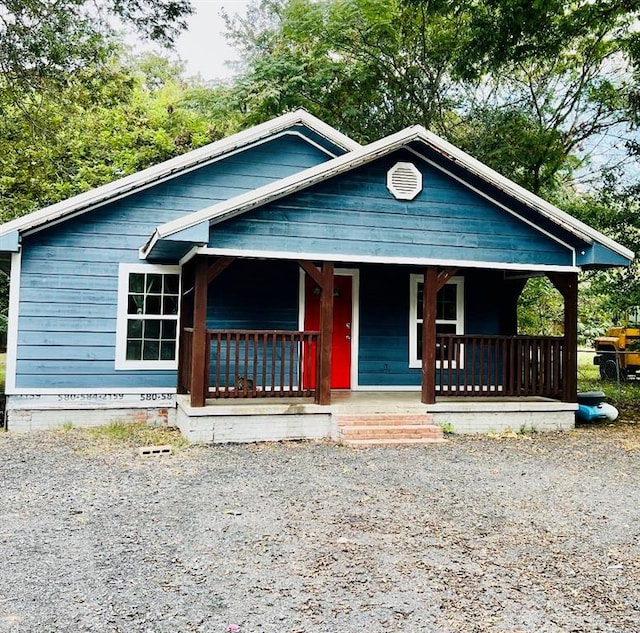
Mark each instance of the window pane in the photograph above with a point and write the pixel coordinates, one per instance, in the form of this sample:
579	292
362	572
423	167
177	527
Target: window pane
150	337
171	284
154	284
420	304
170	305
419	339
153	304
169	330
134	350
168	350
152	329
447	304
136	304
151	350
134	328
136	282
445	328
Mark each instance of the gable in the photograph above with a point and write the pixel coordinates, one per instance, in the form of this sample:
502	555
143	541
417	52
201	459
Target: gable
565	236
354	217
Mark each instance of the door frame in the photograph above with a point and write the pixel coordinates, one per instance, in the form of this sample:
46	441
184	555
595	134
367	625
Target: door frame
354	273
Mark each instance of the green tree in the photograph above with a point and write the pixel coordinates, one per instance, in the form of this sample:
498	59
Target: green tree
43	42
369	67
550	77
105	124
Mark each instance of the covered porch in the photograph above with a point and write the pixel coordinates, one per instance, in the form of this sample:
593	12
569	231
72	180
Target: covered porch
275	371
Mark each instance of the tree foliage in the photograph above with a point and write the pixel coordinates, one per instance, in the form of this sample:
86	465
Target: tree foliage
550	77
105	124
43	42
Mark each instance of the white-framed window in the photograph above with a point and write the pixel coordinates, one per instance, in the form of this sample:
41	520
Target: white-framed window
148	317
449	313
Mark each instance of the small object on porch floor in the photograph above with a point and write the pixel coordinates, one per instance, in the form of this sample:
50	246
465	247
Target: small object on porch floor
152	451
593	408
243	384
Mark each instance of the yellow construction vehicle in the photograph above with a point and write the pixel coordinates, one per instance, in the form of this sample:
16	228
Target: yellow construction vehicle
618	352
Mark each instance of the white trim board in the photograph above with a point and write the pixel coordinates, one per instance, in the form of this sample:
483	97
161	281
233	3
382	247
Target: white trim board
114	399
374	259
15	282
34	393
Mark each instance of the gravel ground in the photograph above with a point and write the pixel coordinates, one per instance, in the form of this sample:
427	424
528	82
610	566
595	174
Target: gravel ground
536	534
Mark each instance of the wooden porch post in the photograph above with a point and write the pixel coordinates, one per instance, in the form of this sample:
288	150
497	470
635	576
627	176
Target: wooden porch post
429	296
186	320
323	379
199	382
567	285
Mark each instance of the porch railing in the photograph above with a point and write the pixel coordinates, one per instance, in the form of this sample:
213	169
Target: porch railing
256	363
499	365
275	363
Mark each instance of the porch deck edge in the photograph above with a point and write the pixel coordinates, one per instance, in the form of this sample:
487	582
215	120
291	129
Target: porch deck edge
509	406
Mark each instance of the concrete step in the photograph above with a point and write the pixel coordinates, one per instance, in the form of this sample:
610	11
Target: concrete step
381	442
388	429
398	431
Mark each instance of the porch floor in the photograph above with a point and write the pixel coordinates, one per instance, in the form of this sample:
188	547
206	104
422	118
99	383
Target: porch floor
367	402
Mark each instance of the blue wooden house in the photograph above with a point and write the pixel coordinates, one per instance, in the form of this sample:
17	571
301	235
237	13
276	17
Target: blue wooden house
265	285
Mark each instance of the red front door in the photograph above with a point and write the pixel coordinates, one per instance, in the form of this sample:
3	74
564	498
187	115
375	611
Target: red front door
342	314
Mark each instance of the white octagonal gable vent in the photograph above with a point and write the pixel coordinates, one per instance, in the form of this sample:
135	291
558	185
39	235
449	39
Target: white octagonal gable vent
404	181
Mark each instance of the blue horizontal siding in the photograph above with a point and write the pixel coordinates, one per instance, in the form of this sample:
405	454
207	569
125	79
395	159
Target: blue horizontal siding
384	319
253	295
383	357
70	380
64	326
68	297
354	214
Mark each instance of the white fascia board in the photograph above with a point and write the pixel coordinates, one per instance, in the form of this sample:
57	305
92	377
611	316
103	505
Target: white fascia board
553	213
131	183
279	189
380	259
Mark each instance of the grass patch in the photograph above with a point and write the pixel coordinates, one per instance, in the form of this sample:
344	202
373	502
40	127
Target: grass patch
138	434
3	364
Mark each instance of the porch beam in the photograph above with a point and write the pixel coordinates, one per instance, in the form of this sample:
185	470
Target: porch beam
313	271
567	285
444	275
323	380
218	267
429	298
199	382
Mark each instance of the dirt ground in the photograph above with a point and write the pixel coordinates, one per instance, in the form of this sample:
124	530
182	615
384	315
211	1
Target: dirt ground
536	533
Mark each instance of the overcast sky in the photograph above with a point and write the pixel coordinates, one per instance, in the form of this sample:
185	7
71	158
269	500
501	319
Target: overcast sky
203	47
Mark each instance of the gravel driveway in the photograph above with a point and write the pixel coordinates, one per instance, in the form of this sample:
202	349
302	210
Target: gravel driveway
536	534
